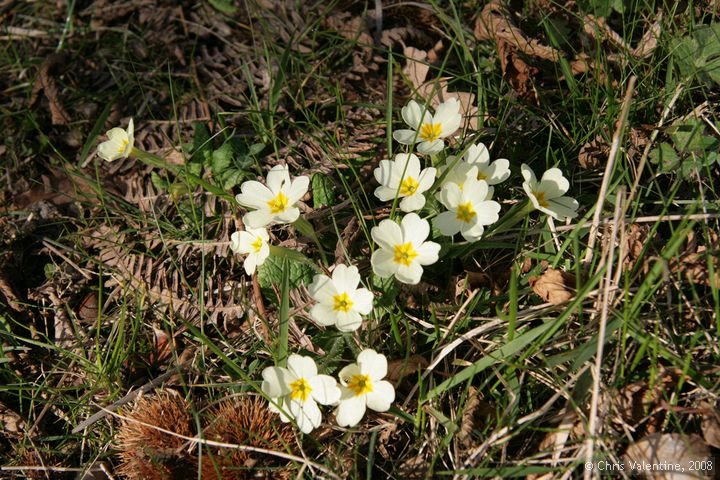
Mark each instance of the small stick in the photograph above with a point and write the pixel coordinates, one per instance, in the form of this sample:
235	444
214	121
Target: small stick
617	138
592	420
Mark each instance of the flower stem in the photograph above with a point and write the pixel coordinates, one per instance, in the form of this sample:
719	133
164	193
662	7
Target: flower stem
307	229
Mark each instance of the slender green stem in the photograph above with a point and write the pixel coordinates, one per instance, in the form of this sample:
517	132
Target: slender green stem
282	346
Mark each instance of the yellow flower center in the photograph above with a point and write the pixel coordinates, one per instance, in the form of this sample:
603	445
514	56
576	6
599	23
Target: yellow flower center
465	212
430	131
300	389
540	197
123	144
408	186
481	176
342	302
278	204
360	384
257	244
405	254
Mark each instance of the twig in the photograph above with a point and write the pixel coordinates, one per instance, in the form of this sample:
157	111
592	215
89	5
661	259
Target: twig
615	147
590	441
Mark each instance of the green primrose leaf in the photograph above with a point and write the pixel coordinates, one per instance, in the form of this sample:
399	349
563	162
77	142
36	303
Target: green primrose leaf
271	272
698	54
222	159
323	191
665	157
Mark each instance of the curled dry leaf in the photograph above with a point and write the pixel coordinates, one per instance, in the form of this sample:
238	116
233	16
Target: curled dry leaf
476	413
494	24
710	424
670	450
693	262
46	83
640	402
401	368
594	153
554	286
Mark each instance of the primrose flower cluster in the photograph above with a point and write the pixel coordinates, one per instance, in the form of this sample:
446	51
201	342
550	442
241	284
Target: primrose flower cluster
296	390
454	192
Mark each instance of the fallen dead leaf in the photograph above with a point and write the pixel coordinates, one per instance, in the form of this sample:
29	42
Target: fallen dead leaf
710	424
640	401
594	153
554	286
401	368
476	413
669	449
46	83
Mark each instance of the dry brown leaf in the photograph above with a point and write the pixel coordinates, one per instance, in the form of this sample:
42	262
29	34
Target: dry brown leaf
11	424
476	413
554	286
46	83
692	263
518	73
401	368
640	402
11	297
494	24
594	153
710	424
668	449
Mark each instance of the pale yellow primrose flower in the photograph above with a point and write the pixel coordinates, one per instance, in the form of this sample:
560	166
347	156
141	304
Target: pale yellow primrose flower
296	390
362	387
340	302
547	194
403	249
119	145
403	177
469	209
428	131
253	242
274	203
479	157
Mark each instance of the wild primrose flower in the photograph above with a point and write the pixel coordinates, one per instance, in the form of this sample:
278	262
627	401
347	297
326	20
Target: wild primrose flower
479	157
274	203
547	194
362	387
428	131
254	243
340	302
403	177
119	145
296	390
403	249
469	209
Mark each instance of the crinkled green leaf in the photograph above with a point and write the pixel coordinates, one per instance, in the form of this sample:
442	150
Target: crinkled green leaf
222	159
698	54
270	272
323	191
665	156
689	136
159	182
256	148
232	177
224	6
202	145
